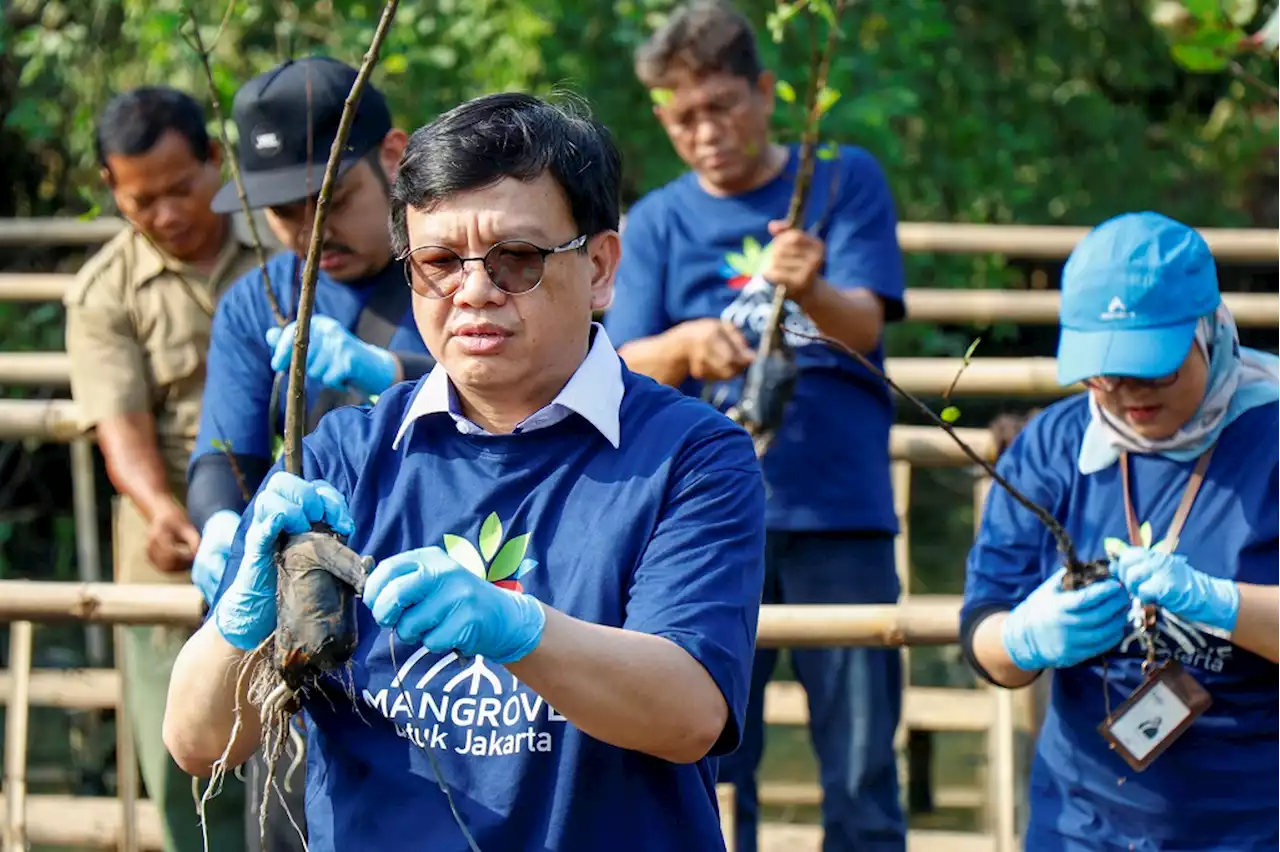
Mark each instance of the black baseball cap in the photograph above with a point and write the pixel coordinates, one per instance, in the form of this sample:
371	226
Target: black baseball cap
270	112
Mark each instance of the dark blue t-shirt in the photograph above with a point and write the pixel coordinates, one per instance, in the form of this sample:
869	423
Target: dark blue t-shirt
237	397
664	535
688	255
1215	789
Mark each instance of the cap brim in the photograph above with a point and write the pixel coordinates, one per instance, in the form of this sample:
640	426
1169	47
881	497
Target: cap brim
1145	353
274	188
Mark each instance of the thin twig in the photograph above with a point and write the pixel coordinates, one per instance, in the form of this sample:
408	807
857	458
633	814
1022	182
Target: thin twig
295	405
197	43
1065	545
1249	77
820	67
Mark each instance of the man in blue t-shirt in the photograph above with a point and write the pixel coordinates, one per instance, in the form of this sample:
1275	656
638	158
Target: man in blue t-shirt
693	295
555	642
363	338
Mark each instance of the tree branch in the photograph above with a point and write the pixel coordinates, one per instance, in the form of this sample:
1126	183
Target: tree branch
197	43
296	403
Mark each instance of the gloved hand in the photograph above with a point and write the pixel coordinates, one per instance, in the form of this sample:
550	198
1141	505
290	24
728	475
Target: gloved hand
246	613
1057	629
335	356
431	600
1169	581
211	556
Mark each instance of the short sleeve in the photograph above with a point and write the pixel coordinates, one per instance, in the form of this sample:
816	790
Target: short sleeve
235	409
862	238
1005	563
639	292
700	578
108	374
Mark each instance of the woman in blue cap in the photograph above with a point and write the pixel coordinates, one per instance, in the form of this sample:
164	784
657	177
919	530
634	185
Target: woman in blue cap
1162	727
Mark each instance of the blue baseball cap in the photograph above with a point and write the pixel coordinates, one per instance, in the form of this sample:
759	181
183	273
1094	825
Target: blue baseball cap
1132	292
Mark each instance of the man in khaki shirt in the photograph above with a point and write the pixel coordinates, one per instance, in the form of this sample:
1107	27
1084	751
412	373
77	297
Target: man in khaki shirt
138	323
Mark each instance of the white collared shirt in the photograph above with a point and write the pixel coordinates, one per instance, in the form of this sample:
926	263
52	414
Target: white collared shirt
594	392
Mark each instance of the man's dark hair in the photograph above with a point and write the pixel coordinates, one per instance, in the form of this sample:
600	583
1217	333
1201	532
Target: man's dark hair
132	122
486	139
702	37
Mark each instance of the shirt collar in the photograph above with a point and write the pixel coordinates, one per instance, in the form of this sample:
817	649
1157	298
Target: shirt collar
594	392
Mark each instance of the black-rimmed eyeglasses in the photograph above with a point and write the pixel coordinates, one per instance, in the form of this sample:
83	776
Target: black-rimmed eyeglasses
514	267
1110	384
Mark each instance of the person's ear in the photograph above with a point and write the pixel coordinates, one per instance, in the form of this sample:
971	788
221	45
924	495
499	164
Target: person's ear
105	174
766	85
390	152
215	154
605	250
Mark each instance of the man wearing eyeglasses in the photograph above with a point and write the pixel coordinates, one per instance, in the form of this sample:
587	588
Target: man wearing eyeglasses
363	338
555	640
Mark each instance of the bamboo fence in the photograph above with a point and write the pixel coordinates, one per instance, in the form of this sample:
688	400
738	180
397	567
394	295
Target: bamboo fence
916	621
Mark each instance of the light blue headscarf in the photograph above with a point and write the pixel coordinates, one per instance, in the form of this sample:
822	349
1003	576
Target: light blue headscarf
1239	379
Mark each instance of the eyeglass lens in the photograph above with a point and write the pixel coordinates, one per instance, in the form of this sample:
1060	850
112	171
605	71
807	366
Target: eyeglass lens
436	272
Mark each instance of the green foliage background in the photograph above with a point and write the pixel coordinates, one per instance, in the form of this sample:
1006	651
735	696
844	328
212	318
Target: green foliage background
988	111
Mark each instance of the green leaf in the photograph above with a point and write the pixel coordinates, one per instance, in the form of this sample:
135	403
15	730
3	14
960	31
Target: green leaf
395	64
464	553
829	151
827	99
1114	546
950	414
1198	58
277	448
785	91
1144	534
661	97
968	353
509	558
490	536
1240	12
92	213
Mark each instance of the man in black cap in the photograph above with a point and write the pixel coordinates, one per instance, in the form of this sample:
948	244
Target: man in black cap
363	336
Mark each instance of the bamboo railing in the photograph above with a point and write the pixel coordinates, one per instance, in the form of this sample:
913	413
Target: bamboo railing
1033	242
916	621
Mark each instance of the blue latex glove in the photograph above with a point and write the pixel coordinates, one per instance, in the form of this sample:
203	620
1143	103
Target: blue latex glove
335	357
1056	629
246	613
211	556
433	601
1169	581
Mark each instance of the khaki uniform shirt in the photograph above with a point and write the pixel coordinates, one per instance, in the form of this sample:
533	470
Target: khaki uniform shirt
138	328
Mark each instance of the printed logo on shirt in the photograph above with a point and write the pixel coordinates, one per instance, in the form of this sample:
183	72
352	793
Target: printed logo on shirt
501	563
466	707
1191	643
463	705
750	310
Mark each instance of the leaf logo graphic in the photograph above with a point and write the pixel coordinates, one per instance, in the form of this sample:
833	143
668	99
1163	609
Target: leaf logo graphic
499	563
741	267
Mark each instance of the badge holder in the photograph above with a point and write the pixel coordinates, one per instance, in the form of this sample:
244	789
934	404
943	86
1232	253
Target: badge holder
1169	699
1157	713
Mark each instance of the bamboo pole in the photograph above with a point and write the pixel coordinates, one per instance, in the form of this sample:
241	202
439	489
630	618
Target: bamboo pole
1054	242
934	305
88	822
920	376
926	620
1040	307
55	420
17	716
1049	242
100	603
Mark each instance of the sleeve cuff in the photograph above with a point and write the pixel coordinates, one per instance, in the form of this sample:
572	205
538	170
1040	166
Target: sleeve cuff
969	622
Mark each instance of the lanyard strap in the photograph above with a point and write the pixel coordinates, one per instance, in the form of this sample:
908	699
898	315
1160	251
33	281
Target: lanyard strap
1184	508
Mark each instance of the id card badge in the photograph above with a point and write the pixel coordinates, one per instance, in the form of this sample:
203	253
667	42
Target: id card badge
1157	713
